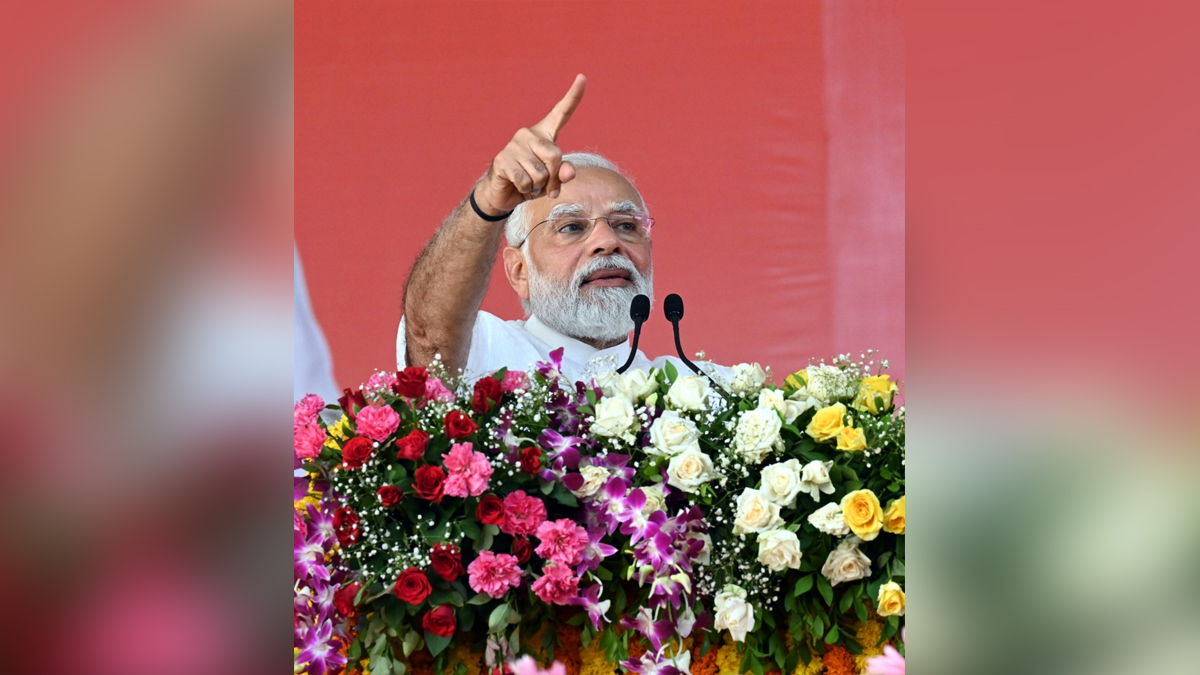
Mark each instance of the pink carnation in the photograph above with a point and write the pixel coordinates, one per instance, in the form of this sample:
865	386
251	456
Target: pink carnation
299	524
494	573
514	380
527	666
522	514
436	391
557	586
305	412
563	542
380	383
377	422
469	471
308	441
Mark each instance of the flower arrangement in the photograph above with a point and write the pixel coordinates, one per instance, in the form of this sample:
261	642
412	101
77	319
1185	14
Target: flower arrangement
663	518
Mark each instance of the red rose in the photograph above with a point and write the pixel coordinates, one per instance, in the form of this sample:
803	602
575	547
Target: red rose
356	451
531	459
343	600
412	446
490	510
390	495
345	525
487	392
440	621
447	561
412	586
349	399
459	425
428	482
410	382
522	549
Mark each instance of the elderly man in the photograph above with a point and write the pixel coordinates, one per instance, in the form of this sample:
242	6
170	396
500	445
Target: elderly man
578	251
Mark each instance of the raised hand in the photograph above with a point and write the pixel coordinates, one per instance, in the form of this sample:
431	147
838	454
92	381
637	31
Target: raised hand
531	165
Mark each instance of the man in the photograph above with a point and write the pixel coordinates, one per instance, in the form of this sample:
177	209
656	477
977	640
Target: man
578	251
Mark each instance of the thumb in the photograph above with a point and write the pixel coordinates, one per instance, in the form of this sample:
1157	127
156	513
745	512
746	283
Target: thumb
566	172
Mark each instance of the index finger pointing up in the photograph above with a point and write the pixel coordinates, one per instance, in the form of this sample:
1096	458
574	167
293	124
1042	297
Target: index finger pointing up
557	119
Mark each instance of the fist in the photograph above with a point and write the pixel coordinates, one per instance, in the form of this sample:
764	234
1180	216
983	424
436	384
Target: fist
531	165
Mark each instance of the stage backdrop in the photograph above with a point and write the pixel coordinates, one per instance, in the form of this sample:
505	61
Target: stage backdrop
766	137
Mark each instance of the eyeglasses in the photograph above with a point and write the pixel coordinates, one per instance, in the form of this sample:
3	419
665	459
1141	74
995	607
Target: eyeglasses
567	230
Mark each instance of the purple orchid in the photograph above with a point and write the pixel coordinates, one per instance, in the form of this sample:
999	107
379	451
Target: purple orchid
319	652
590	601
624	506
308	560
670	589
658	663
321	523
552	369
654	631
595	552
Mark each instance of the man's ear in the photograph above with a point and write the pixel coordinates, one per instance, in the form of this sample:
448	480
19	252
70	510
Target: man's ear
517	271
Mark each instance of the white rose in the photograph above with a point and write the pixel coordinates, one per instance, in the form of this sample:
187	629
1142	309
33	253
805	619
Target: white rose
689	392
829	519
781	482
755	513
814	479
779	550
773	399
636	383
758	434
734	614
689	470
747	379
656	500
671	434
594	477
607	381
846	563
614	416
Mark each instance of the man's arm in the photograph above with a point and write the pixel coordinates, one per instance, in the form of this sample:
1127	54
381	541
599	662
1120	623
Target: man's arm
446	288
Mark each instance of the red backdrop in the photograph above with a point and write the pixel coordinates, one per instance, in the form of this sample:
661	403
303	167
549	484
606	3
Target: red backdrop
766	137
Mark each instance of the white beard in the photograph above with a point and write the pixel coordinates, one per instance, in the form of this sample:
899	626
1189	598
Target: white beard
599	313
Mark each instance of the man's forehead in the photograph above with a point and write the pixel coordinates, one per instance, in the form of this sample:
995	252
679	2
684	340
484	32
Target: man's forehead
597	191
580	209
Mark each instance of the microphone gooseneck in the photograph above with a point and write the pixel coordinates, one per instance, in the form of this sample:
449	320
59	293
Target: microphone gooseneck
673	309
639	311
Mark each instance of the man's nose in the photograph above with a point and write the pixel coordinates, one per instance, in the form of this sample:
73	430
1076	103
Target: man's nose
603	240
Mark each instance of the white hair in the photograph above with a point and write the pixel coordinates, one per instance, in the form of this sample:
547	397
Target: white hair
517	228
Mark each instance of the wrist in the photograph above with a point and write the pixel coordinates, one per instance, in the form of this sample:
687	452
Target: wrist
484	208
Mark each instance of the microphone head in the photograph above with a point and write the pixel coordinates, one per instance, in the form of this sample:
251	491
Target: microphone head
673	307
639	309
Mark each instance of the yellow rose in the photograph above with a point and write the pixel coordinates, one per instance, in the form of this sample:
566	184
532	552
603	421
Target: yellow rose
893	518
827	423
861	511
891	600
851	439
872	387
797	380
338	433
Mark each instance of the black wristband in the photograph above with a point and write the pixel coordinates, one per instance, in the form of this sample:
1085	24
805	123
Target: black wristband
479	212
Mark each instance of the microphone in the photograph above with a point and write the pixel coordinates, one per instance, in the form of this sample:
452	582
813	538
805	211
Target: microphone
639	311
673	309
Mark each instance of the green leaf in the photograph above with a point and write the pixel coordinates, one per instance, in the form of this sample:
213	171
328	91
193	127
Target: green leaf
672	373
847	599
803	585
515	640
479	599
497	619
591	396
898	568
832	636
410	642
818	626
469	529
825	589
381	664
354	652
564	496
604	573
436	643
860	609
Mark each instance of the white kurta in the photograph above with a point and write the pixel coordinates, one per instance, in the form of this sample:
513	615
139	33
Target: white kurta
517	345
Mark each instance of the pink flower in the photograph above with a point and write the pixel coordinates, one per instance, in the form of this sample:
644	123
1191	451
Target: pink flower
308	441
436	391
891	663
557	586
494	573
527	666
522	514
379	384
377	422
514	380
305	412
469	471
563	542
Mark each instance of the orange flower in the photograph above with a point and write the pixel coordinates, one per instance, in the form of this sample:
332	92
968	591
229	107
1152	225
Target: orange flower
838	661
701	665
